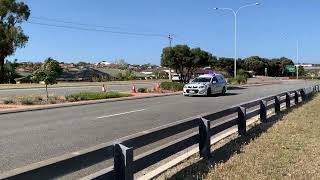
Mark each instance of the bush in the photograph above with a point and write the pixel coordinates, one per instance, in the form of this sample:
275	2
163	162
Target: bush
27	101
94	96
172	86
8	101
240	79
242	72
142	90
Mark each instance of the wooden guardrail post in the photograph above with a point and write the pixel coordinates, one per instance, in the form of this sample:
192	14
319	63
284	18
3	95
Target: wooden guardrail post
123	160
277	104
242	121
296	97
288	100
204	138
303	94
263	111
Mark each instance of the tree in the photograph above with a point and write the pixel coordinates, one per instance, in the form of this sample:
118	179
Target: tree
12	14
256	64
48	73
185	60
10	71
176	58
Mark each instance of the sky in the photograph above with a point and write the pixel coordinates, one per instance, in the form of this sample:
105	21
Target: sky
269	30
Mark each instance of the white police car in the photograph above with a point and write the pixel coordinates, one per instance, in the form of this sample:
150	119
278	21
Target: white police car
206	85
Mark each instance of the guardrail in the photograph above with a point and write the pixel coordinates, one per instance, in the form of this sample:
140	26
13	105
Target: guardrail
121	151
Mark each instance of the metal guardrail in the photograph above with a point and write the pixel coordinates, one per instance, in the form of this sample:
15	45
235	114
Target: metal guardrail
121	151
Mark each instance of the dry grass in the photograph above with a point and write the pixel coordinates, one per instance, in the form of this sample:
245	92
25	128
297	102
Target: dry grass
288	147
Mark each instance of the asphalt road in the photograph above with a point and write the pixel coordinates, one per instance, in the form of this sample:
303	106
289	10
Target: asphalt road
68	90
30	137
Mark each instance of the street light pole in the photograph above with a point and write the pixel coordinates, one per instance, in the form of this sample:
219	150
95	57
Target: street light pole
297	59
170	45
235	13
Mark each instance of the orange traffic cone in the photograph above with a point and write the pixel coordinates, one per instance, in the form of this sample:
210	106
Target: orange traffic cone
133	89
158	88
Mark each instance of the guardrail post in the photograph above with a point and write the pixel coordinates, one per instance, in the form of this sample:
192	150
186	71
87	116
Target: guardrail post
277	104
288	100
123	160
303	94
242	121
296	97
263	110
204	138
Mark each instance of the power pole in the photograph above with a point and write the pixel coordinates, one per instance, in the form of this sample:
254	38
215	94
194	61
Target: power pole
170	45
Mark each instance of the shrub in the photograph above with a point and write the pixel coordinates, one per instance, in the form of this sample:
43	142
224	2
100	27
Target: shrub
8	101
240	79
142	90
172	86
94	96
26	101
242	72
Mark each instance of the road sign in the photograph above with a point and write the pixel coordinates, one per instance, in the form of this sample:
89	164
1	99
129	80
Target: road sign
291	68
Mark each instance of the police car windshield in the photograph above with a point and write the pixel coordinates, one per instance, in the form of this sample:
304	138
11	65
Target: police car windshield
202	79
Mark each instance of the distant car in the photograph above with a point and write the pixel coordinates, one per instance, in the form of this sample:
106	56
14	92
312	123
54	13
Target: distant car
176	77
206	85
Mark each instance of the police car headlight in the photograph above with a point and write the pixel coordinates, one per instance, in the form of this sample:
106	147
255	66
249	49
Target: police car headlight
201	87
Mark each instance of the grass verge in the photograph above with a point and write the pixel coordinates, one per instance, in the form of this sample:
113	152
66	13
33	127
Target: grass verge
287	147
82	96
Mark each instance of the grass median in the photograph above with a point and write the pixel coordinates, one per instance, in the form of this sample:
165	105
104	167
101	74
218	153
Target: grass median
84	96
288	148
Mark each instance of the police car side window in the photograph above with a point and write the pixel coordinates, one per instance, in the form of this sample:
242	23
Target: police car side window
214	79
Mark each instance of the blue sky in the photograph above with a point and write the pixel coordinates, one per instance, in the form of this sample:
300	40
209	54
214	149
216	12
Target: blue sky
270	30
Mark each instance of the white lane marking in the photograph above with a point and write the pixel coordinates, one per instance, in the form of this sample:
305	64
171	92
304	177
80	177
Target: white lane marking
118	114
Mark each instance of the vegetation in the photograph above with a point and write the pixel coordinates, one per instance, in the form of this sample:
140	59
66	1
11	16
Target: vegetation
12	14
10	71
185	60
172	86
34	100
142	90
95	95
240	79
294	153
48	73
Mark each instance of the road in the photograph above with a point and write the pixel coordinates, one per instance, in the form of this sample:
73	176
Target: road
30	137
4	93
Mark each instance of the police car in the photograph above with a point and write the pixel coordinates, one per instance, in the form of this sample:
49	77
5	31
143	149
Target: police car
206	85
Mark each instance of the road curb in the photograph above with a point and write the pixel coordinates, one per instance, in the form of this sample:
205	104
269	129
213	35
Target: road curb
82	103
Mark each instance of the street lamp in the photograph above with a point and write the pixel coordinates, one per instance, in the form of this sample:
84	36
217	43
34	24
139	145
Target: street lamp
235	13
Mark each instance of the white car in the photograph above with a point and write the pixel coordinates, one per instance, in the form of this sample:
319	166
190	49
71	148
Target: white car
176	77
206	85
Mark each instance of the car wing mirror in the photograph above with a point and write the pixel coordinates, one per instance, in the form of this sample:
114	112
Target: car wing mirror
214	82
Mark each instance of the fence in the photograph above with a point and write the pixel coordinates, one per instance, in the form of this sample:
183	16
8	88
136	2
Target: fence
121	152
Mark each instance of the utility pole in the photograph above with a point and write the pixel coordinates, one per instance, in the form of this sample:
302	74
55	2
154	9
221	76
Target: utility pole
170	45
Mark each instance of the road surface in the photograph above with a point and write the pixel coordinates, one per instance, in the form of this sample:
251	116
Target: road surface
30	137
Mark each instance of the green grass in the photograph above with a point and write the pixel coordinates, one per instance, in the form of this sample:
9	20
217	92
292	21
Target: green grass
95	96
